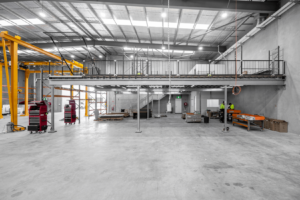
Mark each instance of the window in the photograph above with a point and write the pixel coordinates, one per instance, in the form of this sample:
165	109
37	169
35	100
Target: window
213	103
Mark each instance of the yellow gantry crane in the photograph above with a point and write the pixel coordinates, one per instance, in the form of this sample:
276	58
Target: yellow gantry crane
12	43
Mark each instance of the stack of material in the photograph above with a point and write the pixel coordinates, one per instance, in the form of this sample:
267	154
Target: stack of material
183	115
110	117
276	125
143	114
191	117
125	114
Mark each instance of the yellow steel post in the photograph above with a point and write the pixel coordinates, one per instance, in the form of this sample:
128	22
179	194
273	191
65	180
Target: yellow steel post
14	82
7	76
86	102
72	93
27	73
1	116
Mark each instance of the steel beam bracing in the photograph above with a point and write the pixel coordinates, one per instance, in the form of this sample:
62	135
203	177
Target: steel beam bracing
243	6
128	44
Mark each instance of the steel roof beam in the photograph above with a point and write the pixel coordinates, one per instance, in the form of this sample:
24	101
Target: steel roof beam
243	6
128	44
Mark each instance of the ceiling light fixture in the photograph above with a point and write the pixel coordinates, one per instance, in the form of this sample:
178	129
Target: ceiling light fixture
163	15
163	47
100	56
42	14
72	56
200	48
224	15
131	56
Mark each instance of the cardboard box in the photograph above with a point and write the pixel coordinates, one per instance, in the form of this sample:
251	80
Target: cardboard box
272	124
209	114
281	126
245	72
266	123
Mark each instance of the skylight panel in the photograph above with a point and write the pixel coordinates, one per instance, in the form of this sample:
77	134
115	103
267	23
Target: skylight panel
123	22
155	24
139	23
171	25
35	21
109	21
186	26
20	22
202	26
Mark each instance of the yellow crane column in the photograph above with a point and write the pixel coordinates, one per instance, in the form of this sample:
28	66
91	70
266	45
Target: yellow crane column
14	83
27	73
1	116
86	102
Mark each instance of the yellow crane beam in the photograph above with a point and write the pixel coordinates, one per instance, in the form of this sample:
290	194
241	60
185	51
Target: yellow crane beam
17	40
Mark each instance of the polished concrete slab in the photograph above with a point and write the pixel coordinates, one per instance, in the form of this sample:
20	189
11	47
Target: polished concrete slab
170	159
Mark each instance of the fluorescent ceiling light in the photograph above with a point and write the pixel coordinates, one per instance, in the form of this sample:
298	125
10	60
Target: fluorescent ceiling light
72	56
224	15
178	86
42	14
189	52
163	15
163	47
202	26
200	48
100	56
155	86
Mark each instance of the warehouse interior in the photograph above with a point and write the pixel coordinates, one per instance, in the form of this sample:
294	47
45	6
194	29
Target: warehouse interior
169	99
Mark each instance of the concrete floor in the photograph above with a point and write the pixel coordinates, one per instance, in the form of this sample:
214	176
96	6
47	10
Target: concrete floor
170	159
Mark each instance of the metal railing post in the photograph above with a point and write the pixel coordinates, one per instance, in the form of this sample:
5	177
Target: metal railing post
225	110
278	59
138	110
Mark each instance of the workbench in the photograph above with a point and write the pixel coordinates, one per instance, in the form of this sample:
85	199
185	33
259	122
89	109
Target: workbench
247	120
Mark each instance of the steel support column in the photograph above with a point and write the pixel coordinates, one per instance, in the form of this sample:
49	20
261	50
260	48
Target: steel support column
147	104
95	101
79	108
52	130
41	86
225	110
138	110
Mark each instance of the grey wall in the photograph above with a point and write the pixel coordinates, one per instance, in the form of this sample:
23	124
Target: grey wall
210	95
280	103
165	100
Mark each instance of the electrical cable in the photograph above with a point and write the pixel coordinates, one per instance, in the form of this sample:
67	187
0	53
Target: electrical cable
169	56
236	36
63	59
